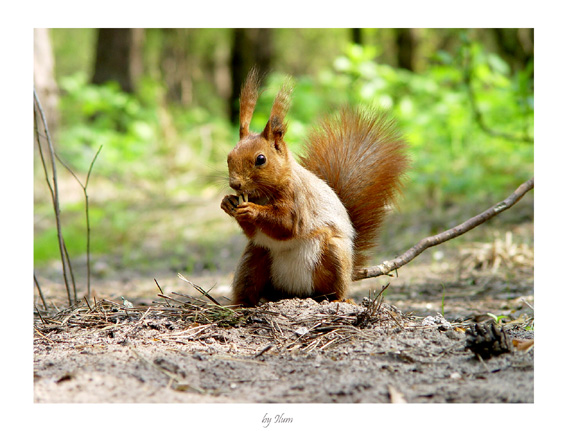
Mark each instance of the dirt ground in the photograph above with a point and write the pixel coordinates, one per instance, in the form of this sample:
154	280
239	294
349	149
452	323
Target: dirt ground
299	350
272	359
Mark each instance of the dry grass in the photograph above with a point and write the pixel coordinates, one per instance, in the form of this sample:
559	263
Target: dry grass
290	325
496	254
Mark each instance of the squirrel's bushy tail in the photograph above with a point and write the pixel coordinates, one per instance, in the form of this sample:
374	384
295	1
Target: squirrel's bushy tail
362	156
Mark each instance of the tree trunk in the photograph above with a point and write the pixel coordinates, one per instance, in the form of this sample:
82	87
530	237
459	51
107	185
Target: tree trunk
251	47
119	57
44	77
175	65
356	34
406	44
515	46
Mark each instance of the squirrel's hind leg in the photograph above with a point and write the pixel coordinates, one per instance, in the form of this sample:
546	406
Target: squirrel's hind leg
252	277
333	273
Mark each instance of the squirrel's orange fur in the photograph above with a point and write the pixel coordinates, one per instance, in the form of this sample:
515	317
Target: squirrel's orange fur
308	225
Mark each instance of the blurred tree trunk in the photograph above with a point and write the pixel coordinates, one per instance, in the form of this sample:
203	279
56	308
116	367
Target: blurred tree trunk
250	46
406	44
356	34
175	65
119	57
221	70
515	46
44	77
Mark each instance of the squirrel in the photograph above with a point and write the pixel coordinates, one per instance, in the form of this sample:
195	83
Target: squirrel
309	222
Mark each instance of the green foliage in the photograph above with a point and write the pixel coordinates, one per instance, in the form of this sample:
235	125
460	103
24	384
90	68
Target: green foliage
150	150
181	150
139	133
453	158
45	247
104	115
69	49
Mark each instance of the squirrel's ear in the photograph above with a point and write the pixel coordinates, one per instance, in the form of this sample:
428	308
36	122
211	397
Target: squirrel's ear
275	128
274	132
248	98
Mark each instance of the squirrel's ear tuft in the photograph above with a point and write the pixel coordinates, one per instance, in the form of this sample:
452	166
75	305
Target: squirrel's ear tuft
248	98
275	128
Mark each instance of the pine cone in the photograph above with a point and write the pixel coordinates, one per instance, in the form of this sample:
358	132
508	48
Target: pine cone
487	340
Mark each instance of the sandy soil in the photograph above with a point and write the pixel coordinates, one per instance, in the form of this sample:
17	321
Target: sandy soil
154	360
286	352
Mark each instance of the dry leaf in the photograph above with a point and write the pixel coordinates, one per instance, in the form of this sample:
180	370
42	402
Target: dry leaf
522	344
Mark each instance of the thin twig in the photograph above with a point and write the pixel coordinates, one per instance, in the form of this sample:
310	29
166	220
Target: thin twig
66	264
527	303
43	336
388	266
88	224
39	314
264	350
201	290
88	305
395	319
159	287
71	273
40	292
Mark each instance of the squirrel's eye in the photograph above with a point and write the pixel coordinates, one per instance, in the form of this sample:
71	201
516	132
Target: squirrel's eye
260	160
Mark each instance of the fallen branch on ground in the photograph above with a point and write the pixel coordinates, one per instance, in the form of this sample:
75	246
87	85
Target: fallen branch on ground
391	265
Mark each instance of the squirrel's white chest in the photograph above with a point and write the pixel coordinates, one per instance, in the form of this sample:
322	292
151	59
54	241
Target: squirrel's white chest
293	262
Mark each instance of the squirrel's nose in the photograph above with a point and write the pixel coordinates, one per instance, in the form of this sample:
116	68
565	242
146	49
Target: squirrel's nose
235	184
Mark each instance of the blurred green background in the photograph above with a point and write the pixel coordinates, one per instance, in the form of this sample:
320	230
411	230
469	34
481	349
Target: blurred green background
162	103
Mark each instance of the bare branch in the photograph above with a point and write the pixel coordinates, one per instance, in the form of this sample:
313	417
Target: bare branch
84	187
391	265
65	262
40	292
91	167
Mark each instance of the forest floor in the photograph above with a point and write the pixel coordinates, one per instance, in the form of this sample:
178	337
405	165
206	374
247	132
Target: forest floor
412	344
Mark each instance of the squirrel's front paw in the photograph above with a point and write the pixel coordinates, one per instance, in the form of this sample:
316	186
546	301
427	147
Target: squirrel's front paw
229	204
246	212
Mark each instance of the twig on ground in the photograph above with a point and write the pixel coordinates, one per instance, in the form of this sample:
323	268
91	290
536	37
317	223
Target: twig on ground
388	266
40	316
196	320
527	303
395	319
372	308
42	336
161	291
264	350
88	305
200	289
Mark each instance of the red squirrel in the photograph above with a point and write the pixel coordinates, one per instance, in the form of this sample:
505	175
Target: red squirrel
309	223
